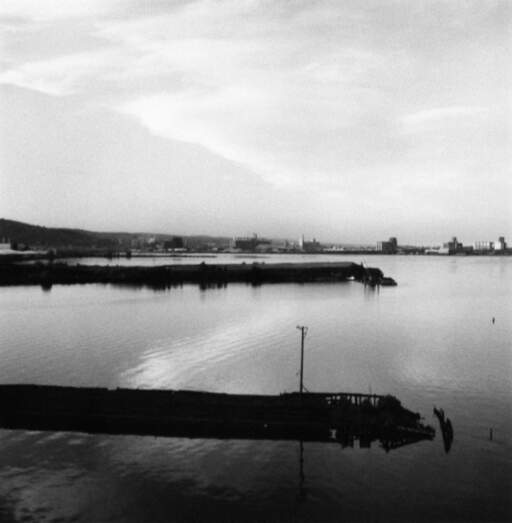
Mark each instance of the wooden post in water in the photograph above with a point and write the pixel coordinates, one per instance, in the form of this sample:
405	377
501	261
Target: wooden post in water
303	332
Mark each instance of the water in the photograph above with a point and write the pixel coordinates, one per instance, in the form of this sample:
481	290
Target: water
429	341
209	258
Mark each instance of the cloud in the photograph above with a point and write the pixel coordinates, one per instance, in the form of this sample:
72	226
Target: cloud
279	101
322	97
427	117
47	10
63	75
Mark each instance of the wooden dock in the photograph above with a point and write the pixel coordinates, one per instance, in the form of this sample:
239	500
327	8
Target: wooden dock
339	417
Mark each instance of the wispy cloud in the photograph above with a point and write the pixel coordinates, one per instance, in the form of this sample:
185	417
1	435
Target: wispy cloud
64	75
47	10
442	114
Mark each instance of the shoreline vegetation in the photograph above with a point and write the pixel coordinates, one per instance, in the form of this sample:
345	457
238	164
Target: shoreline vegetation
206	275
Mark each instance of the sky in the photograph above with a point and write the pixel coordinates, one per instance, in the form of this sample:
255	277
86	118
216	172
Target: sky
346	121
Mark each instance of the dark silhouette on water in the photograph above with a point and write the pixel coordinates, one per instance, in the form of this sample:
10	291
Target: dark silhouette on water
446	427
374	277
324	417
166	276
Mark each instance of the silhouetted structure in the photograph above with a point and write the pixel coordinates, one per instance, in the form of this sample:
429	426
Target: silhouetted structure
327	417
501	244
309	246
169	275
249	243
453	246
175	243
483	246
446	429
388	247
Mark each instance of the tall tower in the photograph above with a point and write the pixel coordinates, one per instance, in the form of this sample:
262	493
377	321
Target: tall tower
301	242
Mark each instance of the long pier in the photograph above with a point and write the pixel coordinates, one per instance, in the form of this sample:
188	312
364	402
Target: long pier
48	274
323	417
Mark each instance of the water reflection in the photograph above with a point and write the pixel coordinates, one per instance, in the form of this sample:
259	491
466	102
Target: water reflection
83	478
302	477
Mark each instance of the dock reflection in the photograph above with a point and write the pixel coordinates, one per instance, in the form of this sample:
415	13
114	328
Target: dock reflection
390	441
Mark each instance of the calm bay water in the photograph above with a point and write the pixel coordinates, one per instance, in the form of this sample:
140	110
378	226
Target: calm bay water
429	341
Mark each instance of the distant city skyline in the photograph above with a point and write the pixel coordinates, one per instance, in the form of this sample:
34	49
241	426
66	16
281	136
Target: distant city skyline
299	239
348	122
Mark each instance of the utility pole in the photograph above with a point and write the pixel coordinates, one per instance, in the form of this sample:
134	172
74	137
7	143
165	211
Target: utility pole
303	332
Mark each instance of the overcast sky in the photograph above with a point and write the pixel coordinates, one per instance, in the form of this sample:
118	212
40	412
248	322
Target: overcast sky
348	121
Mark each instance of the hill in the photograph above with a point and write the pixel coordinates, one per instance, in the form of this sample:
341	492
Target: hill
36	236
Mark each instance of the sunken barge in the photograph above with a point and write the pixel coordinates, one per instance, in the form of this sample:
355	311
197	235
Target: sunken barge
321	417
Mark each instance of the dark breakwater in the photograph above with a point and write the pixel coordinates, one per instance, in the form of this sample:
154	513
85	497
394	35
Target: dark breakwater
322	417
169	275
